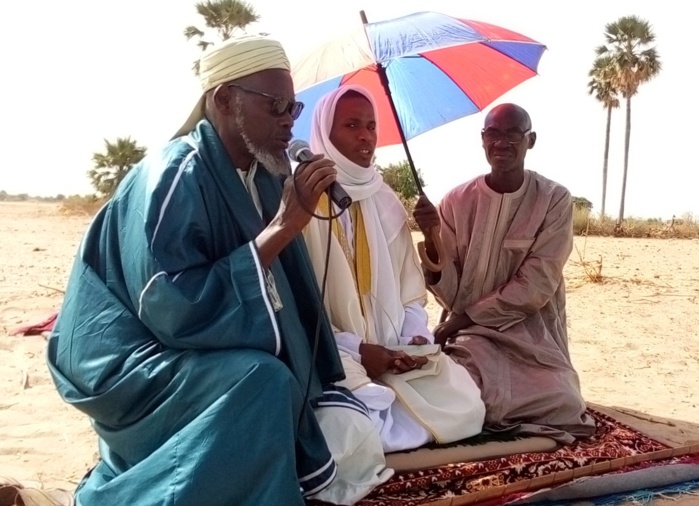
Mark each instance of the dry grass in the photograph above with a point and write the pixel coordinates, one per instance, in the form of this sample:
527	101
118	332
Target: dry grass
592	269
82	205
587	224
584	223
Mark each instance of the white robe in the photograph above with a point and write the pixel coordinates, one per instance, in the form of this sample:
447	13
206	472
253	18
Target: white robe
408	410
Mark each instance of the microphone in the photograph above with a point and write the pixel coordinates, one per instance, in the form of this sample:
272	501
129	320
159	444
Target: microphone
300	151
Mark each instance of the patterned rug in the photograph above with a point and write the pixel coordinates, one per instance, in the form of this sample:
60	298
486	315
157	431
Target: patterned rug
612	442
480	447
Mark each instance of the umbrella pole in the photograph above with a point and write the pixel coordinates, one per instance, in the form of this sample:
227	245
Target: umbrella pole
433	232
383	77
384	81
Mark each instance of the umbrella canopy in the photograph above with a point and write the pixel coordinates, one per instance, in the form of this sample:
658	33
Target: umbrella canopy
439	69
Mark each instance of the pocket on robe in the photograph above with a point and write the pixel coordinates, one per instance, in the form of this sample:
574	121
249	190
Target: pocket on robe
517	243
512	254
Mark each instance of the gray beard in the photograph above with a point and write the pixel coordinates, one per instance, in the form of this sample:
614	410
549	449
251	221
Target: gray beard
276	165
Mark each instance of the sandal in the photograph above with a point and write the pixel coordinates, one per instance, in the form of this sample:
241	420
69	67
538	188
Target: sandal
13	493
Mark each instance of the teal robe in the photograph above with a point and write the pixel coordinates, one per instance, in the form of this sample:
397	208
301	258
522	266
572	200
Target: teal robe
167	338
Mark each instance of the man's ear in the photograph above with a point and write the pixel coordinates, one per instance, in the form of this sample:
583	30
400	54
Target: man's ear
532	140
223	99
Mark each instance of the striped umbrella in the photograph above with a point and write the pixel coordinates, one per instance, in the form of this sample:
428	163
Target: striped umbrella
424	70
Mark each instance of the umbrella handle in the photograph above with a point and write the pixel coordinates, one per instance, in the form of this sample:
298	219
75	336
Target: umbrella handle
422	251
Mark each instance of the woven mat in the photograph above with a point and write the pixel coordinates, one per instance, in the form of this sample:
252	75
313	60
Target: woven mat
613	447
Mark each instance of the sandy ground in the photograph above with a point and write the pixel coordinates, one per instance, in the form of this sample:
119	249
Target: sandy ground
634	339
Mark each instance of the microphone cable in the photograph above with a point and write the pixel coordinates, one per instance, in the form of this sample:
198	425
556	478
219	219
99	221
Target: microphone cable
321	307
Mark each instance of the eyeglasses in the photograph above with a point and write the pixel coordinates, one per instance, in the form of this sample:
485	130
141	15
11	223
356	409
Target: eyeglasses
490	135
280	106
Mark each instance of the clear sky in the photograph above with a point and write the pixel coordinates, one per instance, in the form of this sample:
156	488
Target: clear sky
79	71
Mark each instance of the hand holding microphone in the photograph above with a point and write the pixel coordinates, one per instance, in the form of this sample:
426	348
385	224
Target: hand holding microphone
300	151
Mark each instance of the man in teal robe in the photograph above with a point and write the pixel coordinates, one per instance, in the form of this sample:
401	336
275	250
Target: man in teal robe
188	327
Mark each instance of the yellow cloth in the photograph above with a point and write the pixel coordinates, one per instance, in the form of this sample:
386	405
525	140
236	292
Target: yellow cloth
324	210
362	258
230	60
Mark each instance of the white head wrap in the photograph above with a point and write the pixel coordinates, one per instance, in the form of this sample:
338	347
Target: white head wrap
359	182
232	59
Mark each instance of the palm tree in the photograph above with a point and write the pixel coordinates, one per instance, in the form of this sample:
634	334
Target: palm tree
223	17
601	85
635	62
111	166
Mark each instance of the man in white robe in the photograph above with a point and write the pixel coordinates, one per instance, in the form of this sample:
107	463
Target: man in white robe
375	292
507	236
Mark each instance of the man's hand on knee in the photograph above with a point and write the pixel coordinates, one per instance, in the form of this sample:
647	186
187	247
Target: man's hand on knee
448	329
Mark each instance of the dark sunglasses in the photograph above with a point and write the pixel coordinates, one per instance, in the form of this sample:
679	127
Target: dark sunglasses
280	106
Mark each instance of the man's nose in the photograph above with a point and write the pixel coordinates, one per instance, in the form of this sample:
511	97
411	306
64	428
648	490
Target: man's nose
286	120
501	141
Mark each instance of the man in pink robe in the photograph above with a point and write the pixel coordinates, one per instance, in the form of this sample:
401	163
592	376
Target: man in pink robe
506	237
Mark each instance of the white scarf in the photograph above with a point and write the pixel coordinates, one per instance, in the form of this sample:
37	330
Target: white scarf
384	216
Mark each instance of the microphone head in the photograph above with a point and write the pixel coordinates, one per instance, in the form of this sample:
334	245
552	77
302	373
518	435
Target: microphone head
296	146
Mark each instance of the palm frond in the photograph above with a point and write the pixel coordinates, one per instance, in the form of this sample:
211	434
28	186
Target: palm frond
112	165
192	31
627	45
602	51
602	83
225	16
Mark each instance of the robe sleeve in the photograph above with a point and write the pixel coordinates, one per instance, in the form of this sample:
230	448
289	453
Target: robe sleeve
349	342
415	324
187	298
537	279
